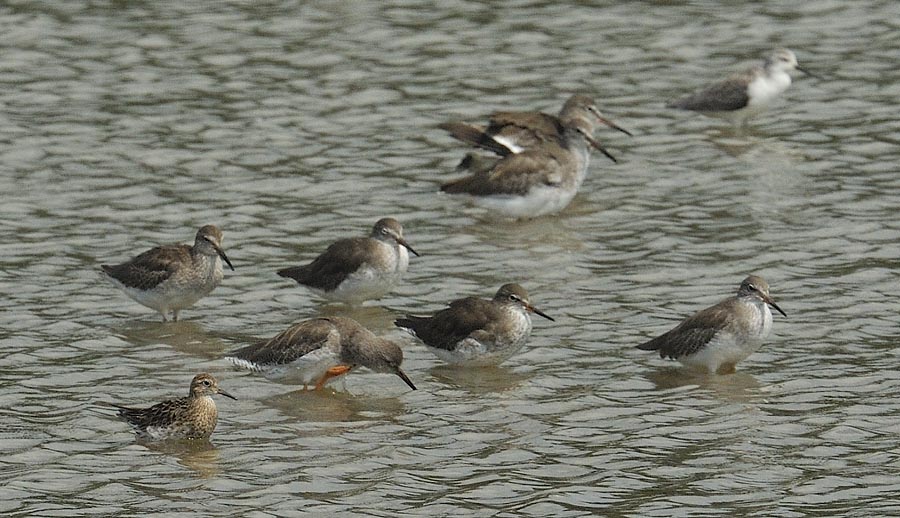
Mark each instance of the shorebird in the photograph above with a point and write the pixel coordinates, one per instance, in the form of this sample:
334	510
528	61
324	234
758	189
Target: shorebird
172	277
746	93
474	331
718	337
320	349
191	417
540	180
356	269
513	132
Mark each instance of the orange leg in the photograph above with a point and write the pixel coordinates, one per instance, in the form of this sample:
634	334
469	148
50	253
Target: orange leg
333	372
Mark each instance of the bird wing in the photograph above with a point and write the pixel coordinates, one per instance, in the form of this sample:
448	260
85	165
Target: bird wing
329	270
447	327
160	413
475	136
291	344
692	334
150	268
526	129
512	175
727	95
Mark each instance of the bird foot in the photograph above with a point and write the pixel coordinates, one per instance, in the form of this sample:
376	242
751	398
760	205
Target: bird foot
332	372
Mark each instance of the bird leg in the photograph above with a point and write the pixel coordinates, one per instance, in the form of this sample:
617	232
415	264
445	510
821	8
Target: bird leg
332	372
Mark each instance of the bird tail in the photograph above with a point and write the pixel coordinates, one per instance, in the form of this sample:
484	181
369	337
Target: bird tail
652	345
107	404
458	186
409	323
298	273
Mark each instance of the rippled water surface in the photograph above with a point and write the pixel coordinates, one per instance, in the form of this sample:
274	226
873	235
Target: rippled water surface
129	124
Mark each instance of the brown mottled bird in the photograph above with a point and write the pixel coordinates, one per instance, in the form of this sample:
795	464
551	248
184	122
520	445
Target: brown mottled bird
191	417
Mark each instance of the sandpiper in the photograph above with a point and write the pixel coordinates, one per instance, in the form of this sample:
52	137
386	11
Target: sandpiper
540	180
173	277
720	336
356	269
474	331
191	417
318	350
513	132
746	93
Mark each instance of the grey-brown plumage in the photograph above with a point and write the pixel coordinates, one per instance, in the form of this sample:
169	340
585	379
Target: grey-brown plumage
475	163
477	331
172	277
191	417
547	164
513	132
727	95
720	336
316	350
747	92
537	181
357	269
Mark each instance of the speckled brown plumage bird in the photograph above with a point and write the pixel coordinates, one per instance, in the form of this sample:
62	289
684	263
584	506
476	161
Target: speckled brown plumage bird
191	417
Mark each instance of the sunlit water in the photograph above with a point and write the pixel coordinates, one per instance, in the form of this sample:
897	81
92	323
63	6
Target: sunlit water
125	125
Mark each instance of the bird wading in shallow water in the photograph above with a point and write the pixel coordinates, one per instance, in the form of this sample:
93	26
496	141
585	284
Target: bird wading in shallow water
543	159
357	269
172	277
718	337
513	132
477	332
317	350
744	94
538	181
191	417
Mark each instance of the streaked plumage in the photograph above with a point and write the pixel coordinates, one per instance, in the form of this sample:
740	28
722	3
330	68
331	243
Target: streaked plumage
745	93
719	337
357	269
319	349
172	277
474	331
191	417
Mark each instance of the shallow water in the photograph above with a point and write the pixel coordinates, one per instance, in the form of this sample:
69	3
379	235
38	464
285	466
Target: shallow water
127	125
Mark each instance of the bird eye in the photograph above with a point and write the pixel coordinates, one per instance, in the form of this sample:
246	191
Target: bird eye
751	287
206	383
513	297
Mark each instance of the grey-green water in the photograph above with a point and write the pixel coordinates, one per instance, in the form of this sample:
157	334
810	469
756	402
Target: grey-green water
126	124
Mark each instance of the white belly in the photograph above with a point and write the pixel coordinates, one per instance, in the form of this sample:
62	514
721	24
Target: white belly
765	88
305	370
539	201
372	281
728	348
